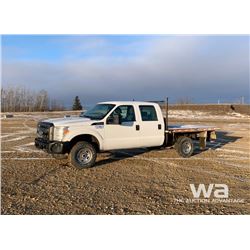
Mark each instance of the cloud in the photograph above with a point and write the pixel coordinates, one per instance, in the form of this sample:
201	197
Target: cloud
202	68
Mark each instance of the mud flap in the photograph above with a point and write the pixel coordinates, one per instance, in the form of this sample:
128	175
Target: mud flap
213	135
203	140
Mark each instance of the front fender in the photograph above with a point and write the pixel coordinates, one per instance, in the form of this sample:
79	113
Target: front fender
98	134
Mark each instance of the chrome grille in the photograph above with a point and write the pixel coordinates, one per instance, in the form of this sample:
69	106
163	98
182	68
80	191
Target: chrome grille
44	130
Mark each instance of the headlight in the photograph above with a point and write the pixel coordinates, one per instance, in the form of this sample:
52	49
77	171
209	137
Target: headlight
60	132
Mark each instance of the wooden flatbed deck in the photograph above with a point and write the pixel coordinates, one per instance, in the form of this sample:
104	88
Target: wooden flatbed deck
189	128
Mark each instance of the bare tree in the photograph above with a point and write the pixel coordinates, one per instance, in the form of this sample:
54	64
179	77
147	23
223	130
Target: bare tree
21	99
184	100
56	105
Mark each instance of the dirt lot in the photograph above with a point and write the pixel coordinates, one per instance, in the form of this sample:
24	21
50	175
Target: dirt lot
139	181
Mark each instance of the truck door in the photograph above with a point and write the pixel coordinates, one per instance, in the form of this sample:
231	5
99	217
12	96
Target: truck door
151	125
121	130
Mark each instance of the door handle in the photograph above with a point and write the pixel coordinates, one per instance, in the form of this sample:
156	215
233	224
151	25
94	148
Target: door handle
137	127
159	126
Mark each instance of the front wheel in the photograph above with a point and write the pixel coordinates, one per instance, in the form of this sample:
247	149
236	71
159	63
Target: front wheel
82	155
184	146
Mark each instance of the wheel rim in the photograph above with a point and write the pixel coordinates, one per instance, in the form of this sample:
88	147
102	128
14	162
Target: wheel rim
186	147
84	156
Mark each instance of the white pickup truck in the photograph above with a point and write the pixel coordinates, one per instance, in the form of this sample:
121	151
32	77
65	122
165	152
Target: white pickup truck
113	126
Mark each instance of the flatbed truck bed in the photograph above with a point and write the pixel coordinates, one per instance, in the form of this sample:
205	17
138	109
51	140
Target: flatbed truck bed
195	132
189	128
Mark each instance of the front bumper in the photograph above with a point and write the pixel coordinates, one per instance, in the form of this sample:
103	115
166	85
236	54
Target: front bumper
51	147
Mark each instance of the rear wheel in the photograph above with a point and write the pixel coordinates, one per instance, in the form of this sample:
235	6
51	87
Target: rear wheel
184	146
82	155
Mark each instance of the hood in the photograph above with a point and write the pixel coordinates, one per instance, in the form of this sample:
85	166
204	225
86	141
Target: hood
70	121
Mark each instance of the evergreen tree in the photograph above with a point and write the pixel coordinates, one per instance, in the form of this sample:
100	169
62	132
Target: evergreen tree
77	104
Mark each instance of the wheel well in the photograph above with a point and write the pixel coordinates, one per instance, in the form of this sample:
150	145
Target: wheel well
88	138
190	135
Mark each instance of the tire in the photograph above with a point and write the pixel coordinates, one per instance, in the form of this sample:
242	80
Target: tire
184	146
82	155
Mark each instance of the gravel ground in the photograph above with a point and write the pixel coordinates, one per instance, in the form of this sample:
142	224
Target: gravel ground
139	181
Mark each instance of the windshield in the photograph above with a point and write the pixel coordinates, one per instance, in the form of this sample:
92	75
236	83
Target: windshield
98	112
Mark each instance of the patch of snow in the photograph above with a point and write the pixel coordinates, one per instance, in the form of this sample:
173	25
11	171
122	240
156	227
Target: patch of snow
232	151
28	158
16	139
25	148
189	114
4	136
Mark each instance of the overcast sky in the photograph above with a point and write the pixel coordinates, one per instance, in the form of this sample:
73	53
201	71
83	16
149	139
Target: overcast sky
98	68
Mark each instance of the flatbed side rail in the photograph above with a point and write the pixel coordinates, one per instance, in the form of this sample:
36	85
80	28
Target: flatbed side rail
184	130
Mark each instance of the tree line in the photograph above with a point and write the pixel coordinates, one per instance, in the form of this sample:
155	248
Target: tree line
21	99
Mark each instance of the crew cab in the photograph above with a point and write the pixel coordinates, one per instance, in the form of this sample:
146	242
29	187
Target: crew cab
114	126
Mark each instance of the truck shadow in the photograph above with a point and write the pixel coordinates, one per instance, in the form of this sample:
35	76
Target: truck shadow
223	138
116	156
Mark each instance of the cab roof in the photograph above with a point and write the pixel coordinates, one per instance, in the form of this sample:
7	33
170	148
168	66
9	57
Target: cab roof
128	103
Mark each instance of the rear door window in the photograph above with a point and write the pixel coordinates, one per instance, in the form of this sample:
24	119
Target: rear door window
148	113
